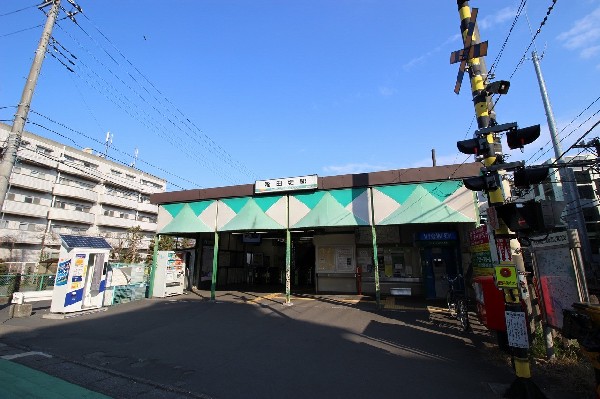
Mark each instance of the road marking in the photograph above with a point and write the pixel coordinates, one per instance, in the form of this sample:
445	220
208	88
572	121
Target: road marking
23	354
260	298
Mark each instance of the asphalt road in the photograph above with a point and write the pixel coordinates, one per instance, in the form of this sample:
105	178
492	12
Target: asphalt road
250	345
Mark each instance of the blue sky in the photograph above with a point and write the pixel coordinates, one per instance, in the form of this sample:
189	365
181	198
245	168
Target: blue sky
216	93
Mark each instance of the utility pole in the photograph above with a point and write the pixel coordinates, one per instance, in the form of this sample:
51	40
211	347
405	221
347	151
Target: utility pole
14	137
471	60
573	209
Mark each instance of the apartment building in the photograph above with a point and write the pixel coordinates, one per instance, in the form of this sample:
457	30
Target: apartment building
587	179
56	189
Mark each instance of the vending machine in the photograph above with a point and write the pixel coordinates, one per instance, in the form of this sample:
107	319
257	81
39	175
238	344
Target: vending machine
169	276
81	274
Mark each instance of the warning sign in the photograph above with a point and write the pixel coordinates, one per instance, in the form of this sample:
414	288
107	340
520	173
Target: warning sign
505	276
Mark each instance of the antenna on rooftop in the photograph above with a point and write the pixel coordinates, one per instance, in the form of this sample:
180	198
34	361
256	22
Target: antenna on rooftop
135	156
108	143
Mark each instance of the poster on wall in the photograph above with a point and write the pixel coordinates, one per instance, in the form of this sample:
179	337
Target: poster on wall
326	259
62	273
344	257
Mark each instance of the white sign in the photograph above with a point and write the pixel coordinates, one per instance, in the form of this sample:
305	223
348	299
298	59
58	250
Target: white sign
285	184
516	328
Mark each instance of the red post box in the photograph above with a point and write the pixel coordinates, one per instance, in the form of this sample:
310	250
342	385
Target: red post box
490	303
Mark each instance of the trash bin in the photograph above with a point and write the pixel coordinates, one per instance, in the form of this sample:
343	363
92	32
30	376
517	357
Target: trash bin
490	303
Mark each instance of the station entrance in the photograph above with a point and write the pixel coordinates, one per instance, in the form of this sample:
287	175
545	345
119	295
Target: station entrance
256	261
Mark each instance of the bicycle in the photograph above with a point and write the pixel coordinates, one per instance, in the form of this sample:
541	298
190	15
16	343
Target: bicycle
458	302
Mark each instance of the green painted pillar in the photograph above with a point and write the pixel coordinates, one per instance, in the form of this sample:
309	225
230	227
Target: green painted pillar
153	268
375	257
288	264
213	285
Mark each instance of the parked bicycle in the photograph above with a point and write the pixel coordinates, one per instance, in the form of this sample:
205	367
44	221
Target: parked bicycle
458	302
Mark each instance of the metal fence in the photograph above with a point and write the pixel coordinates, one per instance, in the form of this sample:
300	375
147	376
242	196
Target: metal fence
10	283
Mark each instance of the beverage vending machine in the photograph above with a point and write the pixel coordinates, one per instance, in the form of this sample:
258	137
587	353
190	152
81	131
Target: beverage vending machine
169	277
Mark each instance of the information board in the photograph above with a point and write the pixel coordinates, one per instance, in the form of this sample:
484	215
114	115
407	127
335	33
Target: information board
516	328
335	258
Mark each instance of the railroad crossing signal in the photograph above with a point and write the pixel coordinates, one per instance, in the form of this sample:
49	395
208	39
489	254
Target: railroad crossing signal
468	52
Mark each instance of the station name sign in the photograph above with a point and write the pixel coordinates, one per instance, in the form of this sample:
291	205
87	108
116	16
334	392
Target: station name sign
286	184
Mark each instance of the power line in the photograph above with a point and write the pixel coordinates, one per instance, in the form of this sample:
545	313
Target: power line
499	56
19	10
101	143
242	168
152	126
126	105
550	8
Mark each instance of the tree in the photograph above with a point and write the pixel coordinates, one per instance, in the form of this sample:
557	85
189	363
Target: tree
133	240
165	243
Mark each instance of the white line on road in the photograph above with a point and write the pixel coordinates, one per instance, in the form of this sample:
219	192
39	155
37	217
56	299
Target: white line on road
23	354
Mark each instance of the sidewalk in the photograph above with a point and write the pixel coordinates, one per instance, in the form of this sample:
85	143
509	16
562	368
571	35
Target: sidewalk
18	381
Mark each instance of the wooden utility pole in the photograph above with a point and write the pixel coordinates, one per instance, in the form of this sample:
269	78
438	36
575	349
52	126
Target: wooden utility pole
14	138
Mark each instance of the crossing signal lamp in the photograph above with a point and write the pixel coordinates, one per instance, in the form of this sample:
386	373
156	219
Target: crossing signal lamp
525	177
488	181
518	138
531	216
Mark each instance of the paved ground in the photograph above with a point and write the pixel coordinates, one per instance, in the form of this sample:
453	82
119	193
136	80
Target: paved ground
251	345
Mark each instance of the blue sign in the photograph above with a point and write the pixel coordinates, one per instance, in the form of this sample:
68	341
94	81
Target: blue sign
438	236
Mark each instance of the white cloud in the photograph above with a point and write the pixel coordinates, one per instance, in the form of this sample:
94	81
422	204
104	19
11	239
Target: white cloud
422	58
500	17
590	52
351	168
387	91
584	35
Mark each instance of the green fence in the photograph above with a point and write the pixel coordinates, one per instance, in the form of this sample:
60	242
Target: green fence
10	283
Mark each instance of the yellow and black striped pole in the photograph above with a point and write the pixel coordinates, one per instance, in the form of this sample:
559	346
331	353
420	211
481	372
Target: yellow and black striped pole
523	386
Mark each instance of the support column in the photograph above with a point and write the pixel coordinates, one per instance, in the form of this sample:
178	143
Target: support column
213	284
153	268
375	257
288	264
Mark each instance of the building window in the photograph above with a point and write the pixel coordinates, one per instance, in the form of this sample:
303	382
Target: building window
3	224
582	176
43	150
586	191
10	196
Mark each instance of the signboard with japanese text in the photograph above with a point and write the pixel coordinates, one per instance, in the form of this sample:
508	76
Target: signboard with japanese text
505	276
503	248
516	328
555	266
479	246
309	182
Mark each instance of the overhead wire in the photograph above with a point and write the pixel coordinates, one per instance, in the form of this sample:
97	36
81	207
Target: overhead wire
214	145
100	142
111	93
127	103
19	10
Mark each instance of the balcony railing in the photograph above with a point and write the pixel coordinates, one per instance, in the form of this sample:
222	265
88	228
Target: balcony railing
25	209
104	220
83	193
71	215
121	202
30	182
22	236
34	157
148	208
79	171
146	226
